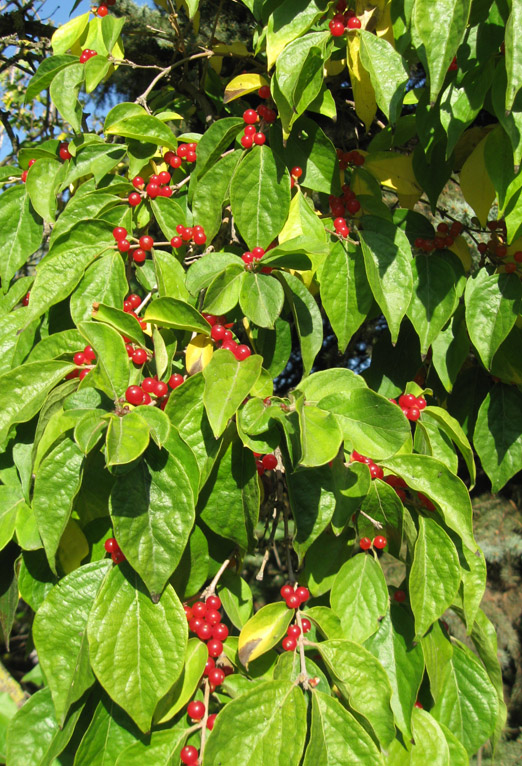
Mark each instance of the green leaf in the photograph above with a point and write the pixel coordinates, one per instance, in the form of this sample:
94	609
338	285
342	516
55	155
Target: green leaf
307	317
88	430
112	370
206	268
20	231
450	349
34	735
372	424
170	312
124	323
321	434
360	597
153	528
492	305
302	221
170	276
387	258
227	383
222	294
56	485
127	438
254	727
430	743
274	346
452	428
384	505
261	298
109	732
212	191
431	477
64	91
288	21
192	570
434	297
96	68
45	73
337	737
214	142
310	148
333	381
144	127
103	282
498	157
326	620
513	43
157	421
11	498
260	213
363	682
497	437
467	703
229	501
164	746
434	576
387	73
184	688
439	41
345	293
168	215
60	634
67	34
393	645
236	598
41	187
263	631
134	670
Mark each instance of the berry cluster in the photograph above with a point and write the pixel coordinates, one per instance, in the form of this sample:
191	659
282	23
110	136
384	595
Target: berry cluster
411	405
81	358
293	632
265	462
376	471
496	247
344	20
350	158
348	203
187	152
251	257
87	54
138	254
251	134
157	186
204	619
294	597
221	333
445	237
112	547
188	233
378	542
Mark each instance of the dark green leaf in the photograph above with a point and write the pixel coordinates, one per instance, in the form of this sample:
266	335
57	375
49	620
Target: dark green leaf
236	598
109	732
20	231
261	298
360	597
112	370
307	317
103	282
434	297
169	312
64	91
497	437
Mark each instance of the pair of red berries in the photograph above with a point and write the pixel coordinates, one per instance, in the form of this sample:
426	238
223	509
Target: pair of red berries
379	542
185	152
289	643
87	54
24	179
341	227
131	302
348	203
376	471
294	597
265	462
87	356
196	711
344	23
188	233
112	547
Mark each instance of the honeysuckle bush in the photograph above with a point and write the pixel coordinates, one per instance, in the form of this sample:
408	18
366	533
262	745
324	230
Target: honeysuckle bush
177	272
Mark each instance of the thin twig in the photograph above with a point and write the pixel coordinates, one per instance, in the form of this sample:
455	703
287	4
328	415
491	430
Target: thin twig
209	590
304	673
204	720
376	524
270	544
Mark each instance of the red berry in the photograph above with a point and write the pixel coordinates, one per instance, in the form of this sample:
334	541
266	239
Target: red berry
259	139
188	612
247	141
353	206
209	665
215	647
220	632
307	625
139	255
286	591
211	720
139	356
134	300
186	234
229	345
117	557
89	354
407	400
199	609
64	152
123	245
250	116
294	631
134	199
380	542
354	23
176	380
242	352
216	675
399	596
419	706
413	413
195	624
119	233
293	601
146	242
111	546
195	710
264	91
420	402
134	395
289	644
79	358
248	258
204	631
376	471
24	175
453	66
200	238
501	251
269	462
138	182
303	594
336	28
296	172
102	11
510	268
217	332
148	385
258	253
365	543
161	388
212	616
189	755
213	602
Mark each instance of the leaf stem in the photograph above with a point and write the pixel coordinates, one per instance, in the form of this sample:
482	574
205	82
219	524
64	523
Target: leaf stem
210	589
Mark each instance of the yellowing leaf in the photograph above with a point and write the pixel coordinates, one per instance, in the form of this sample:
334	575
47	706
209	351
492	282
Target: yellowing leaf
394	171
333	67
360	185
467	143
384	26
73	547
235	49
263	631
243	84
461	249
302	220
476	185
67	34
363	93
198	354
216	62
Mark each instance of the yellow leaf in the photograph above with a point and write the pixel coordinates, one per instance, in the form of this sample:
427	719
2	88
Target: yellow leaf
243	84
216	62
198	353
384	26
360	185
475	183
333	67
263	631
234	49
67	34
363	93
394	171
466	143
461	249
73	547
301	220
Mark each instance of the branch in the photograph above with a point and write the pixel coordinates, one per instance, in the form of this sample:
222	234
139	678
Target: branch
4	118
209	590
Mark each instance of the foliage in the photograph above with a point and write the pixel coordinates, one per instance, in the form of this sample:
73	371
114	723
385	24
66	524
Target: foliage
216	222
